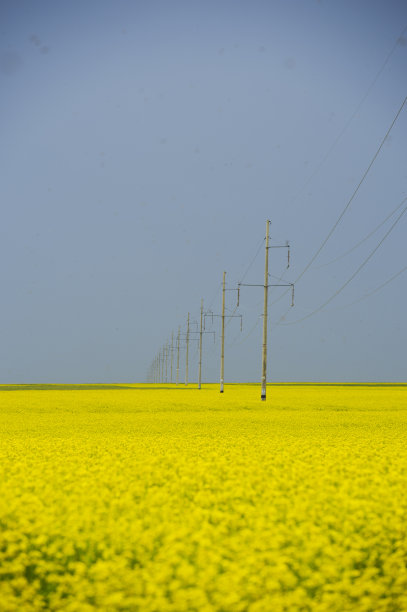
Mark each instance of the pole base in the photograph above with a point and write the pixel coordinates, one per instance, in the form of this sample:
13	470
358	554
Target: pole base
263	398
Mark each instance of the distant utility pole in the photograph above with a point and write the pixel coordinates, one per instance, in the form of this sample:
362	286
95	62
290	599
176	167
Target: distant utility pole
178	338
265	286
186	357
222	316
222	343
200	348
172	350
166	361
265	320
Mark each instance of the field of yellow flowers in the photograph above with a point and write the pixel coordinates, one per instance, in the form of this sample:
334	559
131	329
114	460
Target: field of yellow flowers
135	497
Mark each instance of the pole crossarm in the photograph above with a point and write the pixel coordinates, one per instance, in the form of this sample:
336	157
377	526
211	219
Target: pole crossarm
284	285
282	246
192	338
210	315
273	285
238	294
185	346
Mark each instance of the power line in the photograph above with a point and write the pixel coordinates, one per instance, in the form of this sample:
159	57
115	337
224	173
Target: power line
349	202
364	239
253	260
362	265
245	274
338	220
376	289
215	295
246	336
351	118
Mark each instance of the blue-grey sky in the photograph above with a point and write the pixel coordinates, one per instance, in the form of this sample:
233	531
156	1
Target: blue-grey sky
143	146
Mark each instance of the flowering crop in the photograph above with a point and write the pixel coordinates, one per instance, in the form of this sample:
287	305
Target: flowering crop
135	497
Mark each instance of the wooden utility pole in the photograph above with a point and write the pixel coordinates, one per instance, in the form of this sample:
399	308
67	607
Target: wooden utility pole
211	315
186	357
179	333
266	286
200	349
222	344
166	361
172	350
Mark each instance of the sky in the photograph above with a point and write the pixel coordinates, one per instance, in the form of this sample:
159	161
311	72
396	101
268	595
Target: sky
144	145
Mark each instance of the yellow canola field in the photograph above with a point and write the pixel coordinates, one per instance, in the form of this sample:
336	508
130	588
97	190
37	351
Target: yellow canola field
131	497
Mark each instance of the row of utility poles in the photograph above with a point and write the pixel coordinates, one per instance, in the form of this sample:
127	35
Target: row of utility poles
162	365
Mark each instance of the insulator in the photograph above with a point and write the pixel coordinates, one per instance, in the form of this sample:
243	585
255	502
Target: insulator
288	258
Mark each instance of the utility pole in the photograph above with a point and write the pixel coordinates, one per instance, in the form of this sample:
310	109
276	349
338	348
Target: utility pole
265	320
200	349
266	286
222	350
172	350
222	316
179	332
186	357
166	361
162	366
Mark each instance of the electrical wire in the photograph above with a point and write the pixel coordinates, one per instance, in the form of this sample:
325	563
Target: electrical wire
244	276
351	118
349	202
253	260
376	289
328	263
362	265
215	295
246	336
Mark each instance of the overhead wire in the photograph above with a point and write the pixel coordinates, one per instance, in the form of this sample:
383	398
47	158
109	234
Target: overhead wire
351	118
349	202
235	341
360	267
368	168
253	260
367	295
328	263
244	276
346	207
246	336
215	295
